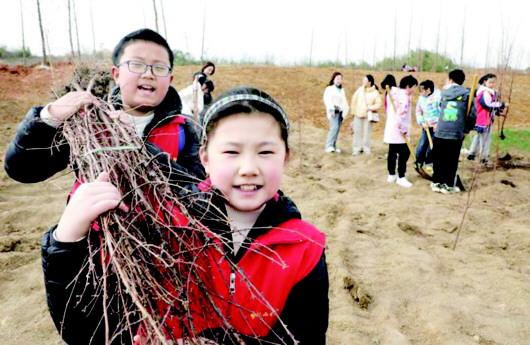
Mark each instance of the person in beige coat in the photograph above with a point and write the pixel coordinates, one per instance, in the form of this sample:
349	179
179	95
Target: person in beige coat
365	99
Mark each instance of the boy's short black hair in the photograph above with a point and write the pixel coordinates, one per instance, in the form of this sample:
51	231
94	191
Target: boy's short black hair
409	81
427	84
458	76
147	35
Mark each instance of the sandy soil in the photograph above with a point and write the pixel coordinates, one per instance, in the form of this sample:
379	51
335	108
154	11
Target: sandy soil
394	245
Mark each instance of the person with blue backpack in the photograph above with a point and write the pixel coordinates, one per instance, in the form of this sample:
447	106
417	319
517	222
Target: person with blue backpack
449	133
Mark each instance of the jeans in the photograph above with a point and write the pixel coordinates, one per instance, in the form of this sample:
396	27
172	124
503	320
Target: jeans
362	131
401	153
334	127
481	144
423	150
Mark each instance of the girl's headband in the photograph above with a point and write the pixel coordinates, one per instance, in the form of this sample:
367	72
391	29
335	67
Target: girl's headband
218	105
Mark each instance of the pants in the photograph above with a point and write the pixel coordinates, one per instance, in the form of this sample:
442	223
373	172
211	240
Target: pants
334	127
423	150
362	131
481	144
401	153
445	160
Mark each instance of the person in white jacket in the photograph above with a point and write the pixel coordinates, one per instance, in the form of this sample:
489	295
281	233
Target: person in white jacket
192	96
336	109
365	99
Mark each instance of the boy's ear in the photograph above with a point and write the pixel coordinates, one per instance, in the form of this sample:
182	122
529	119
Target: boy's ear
115	71
203	155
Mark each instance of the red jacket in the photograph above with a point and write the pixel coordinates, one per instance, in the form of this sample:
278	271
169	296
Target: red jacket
250	295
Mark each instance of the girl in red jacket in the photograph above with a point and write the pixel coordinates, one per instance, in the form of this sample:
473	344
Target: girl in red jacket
270	278
264	269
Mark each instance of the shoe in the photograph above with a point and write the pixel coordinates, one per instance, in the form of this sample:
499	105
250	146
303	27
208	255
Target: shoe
330	150
337	150
403	182
367	152
471	157
391	178
484	161
436	187
356	153
449	190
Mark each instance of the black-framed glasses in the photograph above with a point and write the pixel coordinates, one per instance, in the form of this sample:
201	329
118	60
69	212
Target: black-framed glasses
138	67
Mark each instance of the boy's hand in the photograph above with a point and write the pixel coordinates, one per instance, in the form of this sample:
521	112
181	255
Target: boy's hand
122	116
88	202
69	104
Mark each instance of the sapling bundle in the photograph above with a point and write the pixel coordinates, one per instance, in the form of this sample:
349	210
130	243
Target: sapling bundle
156	264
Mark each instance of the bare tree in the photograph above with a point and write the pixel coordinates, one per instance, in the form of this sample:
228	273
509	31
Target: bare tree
435	63
156	15
70	28
44	56
311	46
163	17
463	39
76	30
395	40
203	31
92	28
23	38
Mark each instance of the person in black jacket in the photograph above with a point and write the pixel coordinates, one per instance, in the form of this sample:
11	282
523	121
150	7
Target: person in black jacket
144	96
143	62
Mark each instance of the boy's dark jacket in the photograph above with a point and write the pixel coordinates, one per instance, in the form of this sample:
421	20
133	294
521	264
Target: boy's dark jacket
78	313
38	150
451	124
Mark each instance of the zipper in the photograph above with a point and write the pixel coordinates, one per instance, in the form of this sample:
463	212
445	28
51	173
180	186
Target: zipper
232	284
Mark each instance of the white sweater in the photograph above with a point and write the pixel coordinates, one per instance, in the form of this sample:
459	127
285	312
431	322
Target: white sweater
335	97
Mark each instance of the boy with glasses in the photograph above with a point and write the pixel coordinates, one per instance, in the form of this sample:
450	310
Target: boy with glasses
142	65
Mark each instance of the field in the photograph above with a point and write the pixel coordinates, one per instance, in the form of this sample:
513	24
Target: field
395	244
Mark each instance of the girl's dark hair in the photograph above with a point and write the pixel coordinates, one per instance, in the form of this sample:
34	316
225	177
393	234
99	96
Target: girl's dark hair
147	35
409	81
371	80
485	77
208	64
427	84
254	100
389	81
333	77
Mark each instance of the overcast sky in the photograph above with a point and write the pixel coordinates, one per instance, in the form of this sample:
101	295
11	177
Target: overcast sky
281	31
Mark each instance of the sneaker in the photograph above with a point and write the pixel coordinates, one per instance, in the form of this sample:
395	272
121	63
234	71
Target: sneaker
471	157
484	161
367	152
391	178
403	182
436	187
356	153
450	190
330	150
337	150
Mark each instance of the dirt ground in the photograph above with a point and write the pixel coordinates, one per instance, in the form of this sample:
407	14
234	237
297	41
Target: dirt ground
393	244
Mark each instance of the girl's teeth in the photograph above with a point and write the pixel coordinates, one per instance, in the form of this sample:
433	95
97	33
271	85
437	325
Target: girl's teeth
248	187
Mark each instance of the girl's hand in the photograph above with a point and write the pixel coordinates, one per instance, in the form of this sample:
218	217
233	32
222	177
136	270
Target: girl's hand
69	104
88	202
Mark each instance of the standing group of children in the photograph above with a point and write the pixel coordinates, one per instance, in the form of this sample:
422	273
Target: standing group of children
235	158
442	115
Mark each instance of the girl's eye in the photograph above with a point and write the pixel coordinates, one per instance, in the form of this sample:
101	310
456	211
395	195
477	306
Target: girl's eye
266	152
230	152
